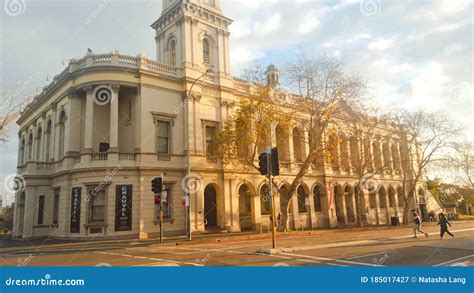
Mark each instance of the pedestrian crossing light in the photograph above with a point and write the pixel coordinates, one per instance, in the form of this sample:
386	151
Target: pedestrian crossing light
157	185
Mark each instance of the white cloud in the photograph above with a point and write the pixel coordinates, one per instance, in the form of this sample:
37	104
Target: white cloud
380	44
309	23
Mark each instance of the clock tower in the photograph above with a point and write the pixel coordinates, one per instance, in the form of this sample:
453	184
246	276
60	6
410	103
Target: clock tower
193	35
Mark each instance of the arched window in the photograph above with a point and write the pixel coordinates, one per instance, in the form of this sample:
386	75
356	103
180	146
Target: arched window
373	199
333	151
30	146
386	156
206	53
47	138
382	198
172	49
355	155
301	200
265	200
298	145
282	141
395	157
318	193
38	144
377	155
344	152
22	151
401	197
391	197
244	139
61	134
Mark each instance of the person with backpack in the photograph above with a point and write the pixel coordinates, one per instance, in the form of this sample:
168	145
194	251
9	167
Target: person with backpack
443	224
417	225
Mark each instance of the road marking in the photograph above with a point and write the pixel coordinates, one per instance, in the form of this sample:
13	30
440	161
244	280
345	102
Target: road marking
365	255
146	258
332	260
453	260
326	263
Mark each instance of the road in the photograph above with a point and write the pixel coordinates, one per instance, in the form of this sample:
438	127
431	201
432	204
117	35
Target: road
382	246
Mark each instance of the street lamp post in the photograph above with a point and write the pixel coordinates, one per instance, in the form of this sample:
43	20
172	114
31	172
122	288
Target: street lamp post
188	208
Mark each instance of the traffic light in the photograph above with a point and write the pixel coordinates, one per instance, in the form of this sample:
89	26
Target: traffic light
275	162
263	164
157	185
157	199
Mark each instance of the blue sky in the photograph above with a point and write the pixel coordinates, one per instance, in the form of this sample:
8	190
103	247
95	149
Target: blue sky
413	53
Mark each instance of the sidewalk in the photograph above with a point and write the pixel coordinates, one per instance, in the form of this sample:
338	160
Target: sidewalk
199	238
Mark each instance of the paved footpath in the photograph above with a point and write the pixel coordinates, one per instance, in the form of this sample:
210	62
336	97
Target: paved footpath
377	246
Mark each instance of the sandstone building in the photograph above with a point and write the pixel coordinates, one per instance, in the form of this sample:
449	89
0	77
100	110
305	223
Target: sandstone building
92	141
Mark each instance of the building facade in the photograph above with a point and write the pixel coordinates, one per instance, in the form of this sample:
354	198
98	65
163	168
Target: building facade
93	140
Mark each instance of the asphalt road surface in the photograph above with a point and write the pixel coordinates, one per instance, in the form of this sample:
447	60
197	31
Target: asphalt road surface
347	247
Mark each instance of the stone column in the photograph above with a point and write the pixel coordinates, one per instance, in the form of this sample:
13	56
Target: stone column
114	124
89	125
73	125
30	209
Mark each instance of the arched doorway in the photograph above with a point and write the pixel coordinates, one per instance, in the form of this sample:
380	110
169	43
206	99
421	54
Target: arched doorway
245	208
348	194
210	207
338	196
384	215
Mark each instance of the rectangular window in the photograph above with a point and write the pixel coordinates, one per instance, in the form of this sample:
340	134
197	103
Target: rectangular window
97	207
163	137
56	206
210	141
41	209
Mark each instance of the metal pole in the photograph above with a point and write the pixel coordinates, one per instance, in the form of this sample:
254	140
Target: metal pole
272	199
161	210
188	171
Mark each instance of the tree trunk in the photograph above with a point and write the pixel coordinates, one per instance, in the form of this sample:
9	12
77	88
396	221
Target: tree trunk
284	212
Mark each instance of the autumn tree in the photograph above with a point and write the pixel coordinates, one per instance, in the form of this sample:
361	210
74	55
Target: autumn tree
426	138
11	106
365	121
324	90
461	162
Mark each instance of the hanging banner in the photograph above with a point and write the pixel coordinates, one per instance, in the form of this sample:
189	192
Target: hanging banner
123	208
76	210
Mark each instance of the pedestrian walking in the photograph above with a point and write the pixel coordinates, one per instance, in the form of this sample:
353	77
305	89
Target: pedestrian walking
443	224
417	225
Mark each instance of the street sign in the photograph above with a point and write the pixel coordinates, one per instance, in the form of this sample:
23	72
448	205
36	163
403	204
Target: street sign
185	201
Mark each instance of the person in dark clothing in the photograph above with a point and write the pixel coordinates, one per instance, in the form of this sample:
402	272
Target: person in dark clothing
443	223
